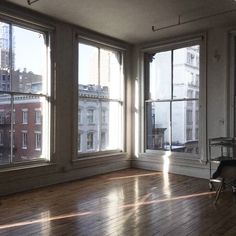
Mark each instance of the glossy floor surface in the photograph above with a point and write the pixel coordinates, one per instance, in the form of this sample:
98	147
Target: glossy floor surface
127	202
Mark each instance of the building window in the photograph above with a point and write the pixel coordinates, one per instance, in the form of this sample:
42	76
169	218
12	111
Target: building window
104	118
90	141
25	116
14	117
189	117
1	137
38	118
189	134
38	141
100	85
90	116
170	104
24	139
103	140
20	95
2	117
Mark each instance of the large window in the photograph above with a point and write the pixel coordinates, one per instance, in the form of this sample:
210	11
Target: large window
172	99
100	94
24	93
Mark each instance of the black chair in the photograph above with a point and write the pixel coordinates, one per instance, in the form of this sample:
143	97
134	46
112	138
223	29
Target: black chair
226	172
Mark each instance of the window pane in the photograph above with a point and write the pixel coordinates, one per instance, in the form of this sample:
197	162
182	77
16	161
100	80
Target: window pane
158	125
30	61
111	126
5	127
5	47
185	127
28	136
100	81
88	68
186	74
160	76
110	74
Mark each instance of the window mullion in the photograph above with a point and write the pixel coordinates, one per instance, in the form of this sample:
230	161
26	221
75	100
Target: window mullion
100	103
172	90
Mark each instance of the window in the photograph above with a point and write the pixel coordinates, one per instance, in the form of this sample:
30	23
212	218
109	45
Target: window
103	140
80	117
19	95
24	139
25	116
90	141
100	85
38	140
189	134
90	116
2	117
169	101
104	113
189	117
1	137
37	117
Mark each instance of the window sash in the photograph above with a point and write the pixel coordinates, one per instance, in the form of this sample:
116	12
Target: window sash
171	100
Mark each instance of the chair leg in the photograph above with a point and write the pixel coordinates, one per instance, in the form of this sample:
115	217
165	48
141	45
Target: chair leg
218	191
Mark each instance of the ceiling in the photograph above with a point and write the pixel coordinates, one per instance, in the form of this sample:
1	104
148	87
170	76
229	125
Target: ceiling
132	20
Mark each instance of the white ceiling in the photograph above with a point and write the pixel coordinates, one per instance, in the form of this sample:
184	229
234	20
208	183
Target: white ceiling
132	20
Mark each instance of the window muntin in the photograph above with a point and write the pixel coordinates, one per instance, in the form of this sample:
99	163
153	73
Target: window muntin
101	97
172	112
26	88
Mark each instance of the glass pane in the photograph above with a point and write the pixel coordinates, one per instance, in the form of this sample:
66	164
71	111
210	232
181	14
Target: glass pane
5	65
111	126
110	74
158	125
29	50
185	126
186	72
160	76
28	129
88	70
4	46
5	127
88	123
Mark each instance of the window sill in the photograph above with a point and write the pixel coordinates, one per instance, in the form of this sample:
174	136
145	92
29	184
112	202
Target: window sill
99	158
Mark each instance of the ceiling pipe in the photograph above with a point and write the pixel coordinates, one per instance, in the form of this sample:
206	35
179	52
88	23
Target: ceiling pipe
30	2
155	29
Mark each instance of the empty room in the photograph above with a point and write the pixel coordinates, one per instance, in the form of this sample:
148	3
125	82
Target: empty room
117	117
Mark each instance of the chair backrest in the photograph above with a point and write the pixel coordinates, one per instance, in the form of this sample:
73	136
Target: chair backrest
228	172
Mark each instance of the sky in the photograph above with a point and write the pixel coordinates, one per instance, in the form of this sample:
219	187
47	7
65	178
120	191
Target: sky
29	50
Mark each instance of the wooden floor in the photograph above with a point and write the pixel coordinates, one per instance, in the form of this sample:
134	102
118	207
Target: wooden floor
128	202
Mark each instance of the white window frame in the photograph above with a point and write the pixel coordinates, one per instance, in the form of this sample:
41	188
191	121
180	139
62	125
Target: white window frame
47	95
202	142
121	101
